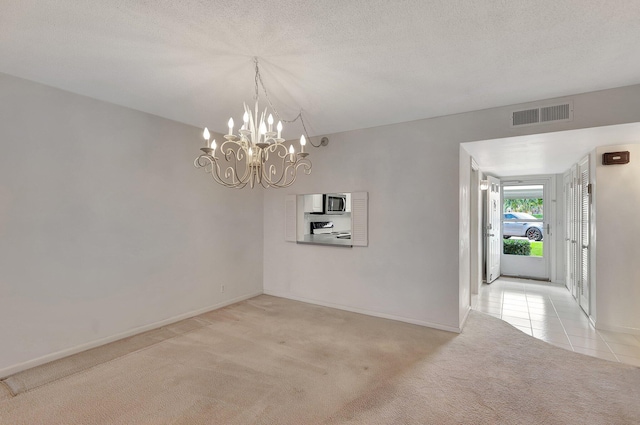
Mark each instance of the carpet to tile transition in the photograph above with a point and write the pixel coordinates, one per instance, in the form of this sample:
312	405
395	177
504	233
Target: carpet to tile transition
275	361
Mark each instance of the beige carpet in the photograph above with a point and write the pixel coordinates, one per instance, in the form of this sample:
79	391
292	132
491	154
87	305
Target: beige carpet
274	361
41	375
5	392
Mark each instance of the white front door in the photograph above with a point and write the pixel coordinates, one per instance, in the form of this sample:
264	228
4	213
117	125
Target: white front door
492	229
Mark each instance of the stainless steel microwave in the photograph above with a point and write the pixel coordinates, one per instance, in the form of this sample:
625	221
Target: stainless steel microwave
335	203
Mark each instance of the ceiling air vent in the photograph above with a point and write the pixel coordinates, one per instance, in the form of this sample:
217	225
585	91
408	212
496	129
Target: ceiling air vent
542	115
530	116
554	113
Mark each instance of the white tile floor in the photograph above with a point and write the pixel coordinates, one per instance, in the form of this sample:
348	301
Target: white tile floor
549	312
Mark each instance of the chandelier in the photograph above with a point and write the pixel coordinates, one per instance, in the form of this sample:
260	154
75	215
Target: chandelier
258	154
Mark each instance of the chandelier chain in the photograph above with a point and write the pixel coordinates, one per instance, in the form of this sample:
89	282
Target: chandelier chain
259	81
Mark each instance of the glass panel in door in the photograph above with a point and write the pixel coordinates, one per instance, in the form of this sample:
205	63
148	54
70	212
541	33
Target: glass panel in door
523	230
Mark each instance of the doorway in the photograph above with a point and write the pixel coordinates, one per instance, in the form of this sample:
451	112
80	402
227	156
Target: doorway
526	251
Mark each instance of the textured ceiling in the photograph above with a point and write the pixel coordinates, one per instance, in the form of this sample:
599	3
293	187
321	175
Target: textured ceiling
348	64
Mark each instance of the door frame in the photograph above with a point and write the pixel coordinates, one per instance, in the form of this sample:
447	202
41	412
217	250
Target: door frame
493	229
550	211
570	238
475	230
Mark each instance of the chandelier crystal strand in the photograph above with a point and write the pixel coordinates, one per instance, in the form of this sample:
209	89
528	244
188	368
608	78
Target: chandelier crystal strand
257	155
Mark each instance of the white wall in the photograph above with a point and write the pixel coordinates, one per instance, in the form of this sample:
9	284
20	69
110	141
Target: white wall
464	232
106	228
593	254
389	277
410	270
559	254
617	203
475	232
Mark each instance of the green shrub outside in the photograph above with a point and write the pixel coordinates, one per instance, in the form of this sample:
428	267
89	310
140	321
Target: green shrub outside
517	247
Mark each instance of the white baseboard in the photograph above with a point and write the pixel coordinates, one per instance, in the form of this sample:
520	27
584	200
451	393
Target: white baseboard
364	311
464	319
626	330
8	371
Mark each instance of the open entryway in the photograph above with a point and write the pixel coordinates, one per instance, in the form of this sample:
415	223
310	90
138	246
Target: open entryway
526	251
582	198
586	200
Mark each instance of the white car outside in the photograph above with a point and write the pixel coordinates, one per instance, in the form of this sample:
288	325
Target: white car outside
524	227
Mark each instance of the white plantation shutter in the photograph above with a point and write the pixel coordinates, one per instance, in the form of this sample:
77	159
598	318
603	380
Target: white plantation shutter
584	177
359	218
584	234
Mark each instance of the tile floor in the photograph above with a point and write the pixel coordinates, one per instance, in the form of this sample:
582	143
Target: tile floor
549	312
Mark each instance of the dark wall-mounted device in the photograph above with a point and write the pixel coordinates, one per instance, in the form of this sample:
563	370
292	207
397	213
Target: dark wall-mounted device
611	158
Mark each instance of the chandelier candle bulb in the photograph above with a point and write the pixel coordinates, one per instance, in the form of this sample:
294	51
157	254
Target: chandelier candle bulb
245	120
303	142
230	123
213	145
206	136
292	153
279	128
270	121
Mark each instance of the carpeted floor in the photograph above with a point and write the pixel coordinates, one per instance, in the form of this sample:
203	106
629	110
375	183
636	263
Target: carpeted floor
5	392
274	361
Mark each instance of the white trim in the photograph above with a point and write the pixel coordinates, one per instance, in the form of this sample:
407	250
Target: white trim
613	328
474	165
364	311
8	371
464	319
516	264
